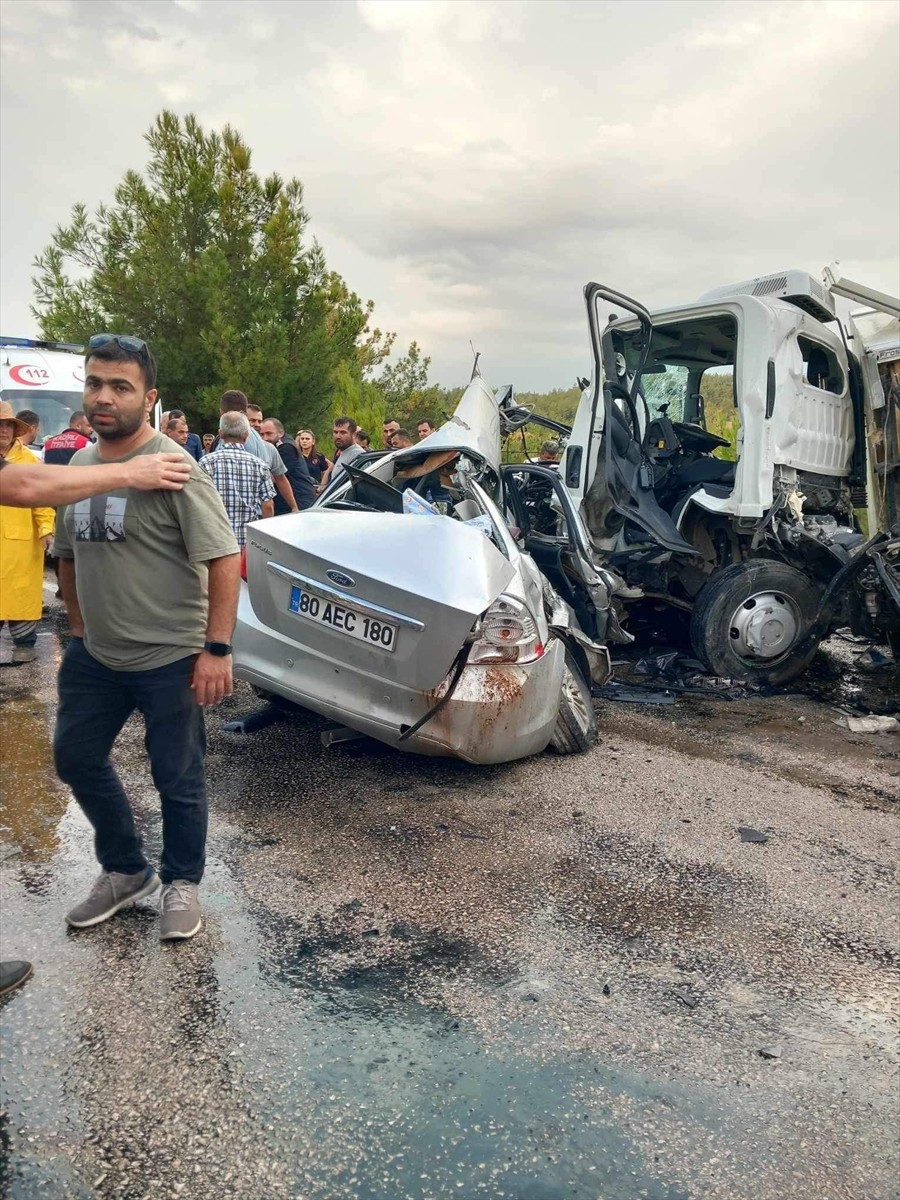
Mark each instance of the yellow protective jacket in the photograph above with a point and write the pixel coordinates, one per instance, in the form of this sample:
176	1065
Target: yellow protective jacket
22	553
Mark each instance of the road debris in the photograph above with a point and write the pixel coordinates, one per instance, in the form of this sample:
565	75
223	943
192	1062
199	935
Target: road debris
339	733
634	695
752	835
872	724
686	998
271	714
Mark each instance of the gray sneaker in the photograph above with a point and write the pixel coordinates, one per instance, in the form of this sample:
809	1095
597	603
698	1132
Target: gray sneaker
179	910
111	892
23	654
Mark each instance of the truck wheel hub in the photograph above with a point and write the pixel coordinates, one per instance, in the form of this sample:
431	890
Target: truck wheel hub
764	626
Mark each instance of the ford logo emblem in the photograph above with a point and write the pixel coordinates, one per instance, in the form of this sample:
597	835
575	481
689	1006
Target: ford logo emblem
341	579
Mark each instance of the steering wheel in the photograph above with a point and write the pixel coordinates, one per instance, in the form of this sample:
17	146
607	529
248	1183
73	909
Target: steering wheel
695	437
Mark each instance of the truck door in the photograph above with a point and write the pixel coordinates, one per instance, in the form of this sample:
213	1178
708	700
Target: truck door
606	467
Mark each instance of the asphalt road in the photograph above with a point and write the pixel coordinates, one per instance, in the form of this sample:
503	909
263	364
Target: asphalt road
418	979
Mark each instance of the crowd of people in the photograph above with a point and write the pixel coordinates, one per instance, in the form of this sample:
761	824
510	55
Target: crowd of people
146	537
260	470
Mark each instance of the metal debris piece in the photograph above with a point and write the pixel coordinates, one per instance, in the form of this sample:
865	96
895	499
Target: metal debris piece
873	660
873	724
685	997
752	835
634	695
771	1051
339	733
656	664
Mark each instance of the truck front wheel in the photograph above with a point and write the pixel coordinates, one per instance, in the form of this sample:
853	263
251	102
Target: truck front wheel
749	620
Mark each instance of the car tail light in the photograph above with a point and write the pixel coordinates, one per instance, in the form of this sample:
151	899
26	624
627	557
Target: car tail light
507	633
244	563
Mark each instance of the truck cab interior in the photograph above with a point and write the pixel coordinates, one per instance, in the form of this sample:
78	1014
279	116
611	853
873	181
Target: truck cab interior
689	370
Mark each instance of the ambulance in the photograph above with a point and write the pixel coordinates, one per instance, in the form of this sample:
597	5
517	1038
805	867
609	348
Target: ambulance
46	377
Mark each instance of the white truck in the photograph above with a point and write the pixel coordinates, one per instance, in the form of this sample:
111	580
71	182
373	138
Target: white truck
765	553
45	377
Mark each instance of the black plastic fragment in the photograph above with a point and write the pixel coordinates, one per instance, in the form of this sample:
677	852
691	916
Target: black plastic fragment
685	997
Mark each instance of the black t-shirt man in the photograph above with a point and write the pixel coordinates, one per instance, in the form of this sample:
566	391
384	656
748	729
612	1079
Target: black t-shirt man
298	474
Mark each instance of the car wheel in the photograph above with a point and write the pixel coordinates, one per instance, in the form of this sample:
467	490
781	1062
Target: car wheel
576	724
750	618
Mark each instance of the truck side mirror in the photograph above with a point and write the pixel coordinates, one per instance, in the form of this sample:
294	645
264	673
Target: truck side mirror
573	466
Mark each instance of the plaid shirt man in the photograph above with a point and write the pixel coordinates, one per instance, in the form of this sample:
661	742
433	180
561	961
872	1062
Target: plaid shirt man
242	480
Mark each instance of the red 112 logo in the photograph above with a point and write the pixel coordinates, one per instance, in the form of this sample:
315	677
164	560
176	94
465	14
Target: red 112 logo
30	375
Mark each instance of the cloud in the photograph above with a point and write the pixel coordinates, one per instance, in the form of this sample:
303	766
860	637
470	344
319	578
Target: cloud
421	20
471	166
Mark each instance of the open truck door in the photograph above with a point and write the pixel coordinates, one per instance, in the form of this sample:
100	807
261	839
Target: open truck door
606	469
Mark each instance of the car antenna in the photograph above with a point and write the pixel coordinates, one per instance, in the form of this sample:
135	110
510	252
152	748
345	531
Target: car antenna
477	354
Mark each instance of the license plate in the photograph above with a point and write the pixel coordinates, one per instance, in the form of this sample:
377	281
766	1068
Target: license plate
373	632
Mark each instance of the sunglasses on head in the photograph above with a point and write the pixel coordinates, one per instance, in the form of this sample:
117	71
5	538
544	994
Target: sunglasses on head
134	345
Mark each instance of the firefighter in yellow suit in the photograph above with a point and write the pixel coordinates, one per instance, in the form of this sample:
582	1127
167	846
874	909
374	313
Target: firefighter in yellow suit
25	533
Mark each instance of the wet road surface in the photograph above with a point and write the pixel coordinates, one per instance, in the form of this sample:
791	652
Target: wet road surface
419	979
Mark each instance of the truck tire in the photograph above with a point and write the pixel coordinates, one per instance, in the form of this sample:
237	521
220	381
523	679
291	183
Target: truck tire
576	724
750	616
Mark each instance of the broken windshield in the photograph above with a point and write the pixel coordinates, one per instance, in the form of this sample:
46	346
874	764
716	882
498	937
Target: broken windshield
665	390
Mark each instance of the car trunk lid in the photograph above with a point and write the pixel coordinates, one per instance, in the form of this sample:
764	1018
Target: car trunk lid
426	577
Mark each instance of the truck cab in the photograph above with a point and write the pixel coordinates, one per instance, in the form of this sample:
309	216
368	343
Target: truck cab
719	458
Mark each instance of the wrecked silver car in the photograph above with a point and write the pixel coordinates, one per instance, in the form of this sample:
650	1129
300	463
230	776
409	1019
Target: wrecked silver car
422	600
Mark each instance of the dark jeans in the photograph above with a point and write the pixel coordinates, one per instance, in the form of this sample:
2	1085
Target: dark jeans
94	704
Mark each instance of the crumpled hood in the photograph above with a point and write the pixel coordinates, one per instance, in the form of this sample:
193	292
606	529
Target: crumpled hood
474	429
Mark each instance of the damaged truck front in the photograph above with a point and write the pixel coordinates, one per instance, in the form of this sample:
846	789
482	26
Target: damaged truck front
761	543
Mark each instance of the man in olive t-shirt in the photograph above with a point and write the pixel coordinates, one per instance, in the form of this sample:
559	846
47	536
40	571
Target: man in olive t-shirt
150	581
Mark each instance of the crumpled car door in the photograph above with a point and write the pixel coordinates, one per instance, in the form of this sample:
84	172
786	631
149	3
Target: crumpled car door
552	532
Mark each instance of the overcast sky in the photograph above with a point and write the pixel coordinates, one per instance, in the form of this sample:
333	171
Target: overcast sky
471	165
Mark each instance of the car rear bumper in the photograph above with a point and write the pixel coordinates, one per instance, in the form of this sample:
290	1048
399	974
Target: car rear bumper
496	713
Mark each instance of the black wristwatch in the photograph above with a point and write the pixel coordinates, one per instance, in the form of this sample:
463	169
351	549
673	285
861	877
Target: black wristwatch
219	649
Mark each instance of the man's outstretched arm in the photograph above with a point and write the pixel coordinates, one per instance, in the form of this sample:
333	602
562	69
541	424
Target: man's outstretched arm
28	485
212	680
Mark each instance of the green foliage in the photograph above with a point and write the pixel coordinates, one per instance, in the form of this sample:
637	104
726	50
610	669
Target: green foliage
358	398
721	416
409	397
560	404
210	263
403	381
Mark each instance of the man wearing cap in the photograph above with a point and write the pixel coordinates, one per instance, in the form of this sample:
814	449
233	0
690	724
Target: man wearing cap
25	534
